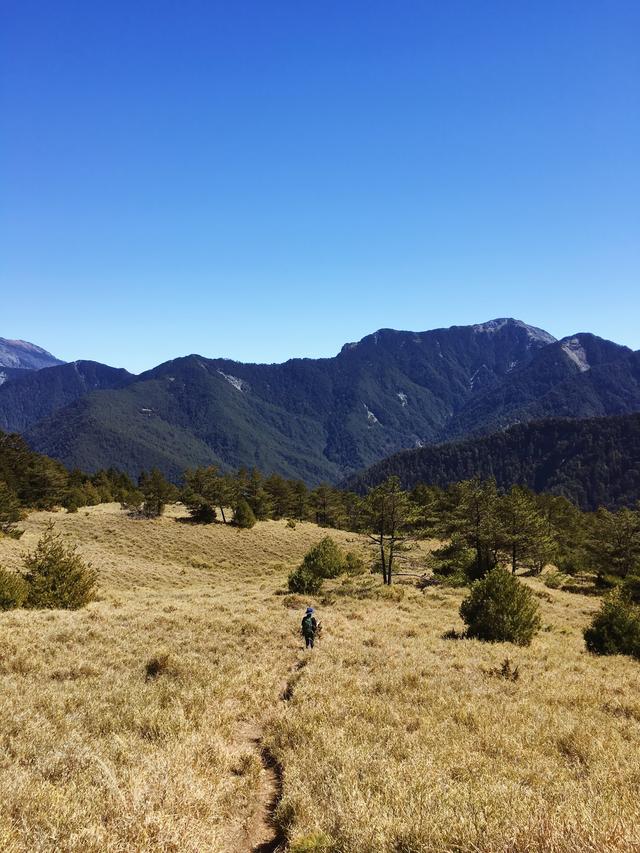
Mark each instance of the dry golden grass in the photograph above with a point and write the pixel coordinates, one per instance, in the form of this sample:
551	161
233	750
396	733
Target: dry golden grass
394	739
95	755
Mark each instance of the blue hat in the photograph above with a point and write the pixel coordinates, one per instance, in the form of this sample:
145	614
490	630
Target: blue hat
309	609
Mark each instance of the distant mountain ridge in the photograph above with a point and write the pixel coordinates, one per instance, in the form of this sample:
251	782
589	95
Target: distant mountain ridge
320	419
24	355
594	462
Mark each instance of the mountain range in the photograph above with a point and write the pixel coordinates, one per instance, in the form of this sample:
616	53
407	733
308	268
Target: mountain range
318	419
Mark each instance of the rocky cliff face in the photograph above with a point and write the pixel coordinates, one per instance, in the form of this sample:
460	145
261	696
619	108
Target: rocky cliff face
22	354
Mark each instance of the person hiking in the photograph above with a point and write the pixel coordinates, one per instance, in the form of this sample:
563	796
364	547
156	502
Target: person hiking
309	628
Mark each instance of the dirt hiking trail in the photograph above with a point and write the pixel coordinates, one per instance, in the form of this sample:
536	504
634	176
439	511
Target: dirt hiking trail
260	832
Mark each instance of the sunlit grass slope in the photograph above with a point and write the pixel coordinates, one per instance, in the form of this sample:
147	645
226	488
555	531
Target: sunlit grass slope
394	739
94	756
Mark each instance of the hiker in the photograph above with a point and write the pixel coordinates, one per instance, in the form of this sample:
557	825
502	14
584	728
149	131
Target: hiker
309	628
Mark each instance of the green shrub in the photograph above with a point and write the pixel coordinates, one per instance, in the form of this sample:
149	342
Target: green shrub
325	559
354	564
501	609
304	580
243	515
57	576
615	629
570	563
13	590
554	580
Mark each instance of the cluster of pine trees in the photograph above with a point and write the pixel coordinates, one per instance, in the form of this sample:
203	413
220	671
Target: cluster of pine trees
29	480
483	526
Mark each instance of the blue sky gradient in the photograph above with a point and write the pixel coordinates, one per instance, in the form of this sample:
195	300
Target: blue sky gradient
266	180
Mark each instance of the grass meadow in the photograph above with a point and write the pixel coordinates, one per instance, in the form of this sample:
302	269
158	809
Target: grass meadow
136	724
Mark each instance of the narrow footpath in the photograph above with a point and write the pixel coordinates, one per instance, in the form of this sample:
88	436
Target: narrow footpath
261	834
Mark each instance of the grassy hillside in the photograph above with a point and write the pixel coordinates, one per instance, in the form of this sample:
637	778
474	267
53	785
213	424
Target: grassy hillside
390	738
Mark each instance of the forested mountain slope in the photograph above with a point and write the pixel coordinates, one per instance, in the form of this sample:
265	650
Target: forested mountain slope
594	462
320	419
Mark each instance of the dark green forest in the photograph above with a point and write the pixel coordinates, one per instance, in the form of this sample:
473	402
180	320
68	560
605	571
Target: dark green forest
593	462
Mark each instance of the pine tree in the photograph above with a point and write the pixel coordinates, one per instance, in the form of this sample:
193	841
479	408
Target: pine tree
386	513
57	576
614	545
10	510
157	493
253	491
526	539
474	518
243	515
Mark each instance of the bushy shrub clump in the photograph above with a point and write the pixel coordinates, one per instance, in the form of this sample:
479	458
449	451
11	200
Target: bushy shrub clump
555	579
303	580
500	608
615	629
324	560
57	576
354	564
243	515
13	590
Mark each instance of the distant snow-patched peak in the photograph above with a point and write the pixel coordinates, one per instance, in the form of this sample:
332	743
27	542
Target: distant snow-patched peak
577	353
25	355
533	332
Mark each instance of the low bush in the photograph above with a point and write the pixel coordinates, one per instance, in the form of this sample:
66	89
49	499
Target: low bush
615	629
13	590
161	664
325	559
354	564
304	580
500	608
555	580
57	576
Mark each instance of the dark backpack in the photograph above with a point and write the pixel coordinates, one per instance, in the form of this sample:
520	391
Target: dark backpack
308	626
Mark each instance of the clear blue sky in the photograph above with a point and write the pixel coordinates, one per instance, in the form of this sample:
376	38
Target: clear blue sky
263	180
